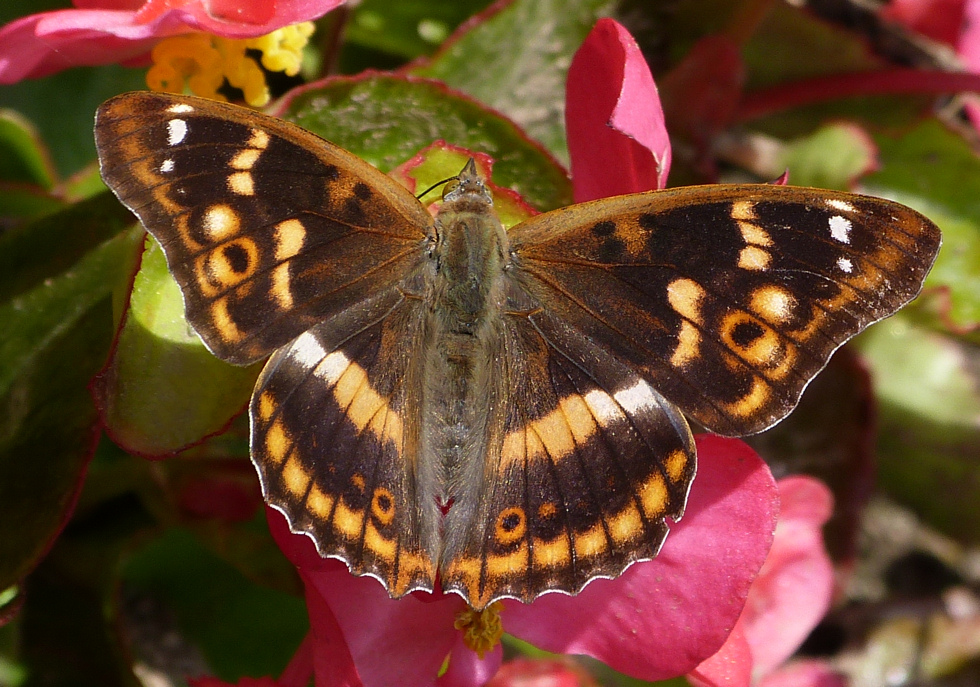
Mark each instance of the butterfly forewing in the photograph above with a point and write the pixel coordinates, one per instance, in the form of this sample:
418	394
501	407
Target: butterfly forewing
731	298
267	228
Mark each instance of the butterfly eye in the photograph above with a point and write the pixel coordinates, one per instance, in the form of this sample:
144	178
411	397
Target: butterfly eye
450	186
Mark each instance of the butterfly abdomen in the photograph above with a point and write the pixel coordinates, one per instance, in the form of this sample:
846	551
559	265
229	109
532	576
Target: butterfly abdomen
464	318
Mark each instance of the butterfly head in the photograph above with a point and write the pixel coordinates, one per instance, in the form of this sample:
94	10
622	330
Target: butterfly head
468	187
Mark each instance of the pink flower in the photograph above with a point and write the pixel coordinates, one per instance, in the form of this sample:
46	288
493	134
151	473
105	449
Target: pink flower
658	620
124	31
617	138
941	20
544	672
296	674
244	682
789	597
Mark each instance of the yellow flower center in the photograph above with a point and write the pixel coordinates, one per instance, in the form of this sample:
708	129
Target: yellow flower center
481	630
202	62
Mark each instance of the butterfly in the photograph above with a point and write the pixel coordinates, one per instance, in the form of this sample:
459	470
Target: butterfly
504	411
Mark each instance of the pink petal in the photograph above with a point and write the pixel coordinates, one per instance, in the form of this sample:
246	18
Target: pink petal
542	672
790	595
98	24
244	682
968	42
43	44
355	622
413	635
333	664
795	587
664	617
731	666
616	133
466	669
300	668
968	48
939	19
805	674
234	18
129	5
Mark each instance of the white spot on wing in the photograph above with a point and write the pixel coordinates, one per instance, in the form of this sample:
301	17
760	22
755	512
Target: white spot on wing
840	228
602	406
167	166
307	350
180	108
333	367
635	398
845	265
176	131
839	204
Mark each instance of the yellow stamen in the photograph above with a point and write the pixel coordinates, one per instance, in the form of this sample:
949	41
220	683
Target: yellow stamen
282	50
482	630
189	58
204	62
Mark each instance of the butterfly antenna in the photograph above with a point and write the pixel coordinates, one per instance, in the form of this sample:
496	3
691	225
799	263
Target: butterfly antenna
435	185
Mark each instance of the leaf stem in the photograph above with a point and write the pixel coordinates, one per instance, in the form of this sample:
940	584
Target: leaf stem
888	82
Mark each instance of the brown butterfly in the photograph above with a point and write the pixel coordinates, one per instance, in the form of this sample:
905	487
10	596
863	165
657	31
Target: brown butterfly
502	409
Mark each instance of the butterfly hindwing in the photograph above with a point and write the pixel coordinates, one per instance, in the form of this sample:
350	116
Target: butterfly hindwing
730	298
267	228
335	442
590	463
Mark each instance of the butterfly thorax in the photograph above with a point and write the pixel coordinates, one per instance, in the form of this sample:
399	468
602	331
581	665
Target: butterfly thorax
470	253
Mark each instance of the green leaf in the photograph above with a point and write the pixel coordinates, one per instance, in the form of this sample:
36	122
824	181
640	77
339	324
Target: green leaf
14	9
833	156
408	28
163	390
516	61
36	319
24	202
388	119
55	337
22	156
247	545
45	248
927	384
791	44
85	183
433	166
828	436
62	107
936	172
241	628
